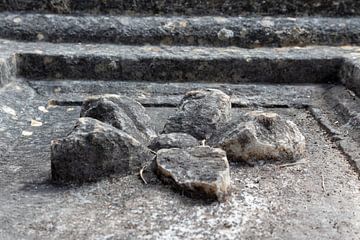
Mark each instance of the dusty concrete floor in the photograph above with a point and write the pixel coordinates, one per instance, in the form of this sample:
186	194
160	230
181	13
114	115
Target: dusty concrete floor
316	199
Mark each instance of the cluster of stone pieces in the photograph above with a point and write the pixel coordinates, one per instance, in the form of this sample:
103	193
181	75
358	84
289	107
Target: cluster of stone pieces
114	136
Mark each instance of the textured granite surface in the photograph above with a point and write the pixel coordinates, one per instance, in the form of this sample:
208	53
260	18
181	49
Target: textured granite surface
248	32
189	7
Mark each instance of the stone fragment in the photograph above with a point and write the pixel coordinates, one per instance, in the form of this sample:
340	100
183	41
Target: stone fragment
200	171
201	112
94	150
121	112
225	34
173	140
260	136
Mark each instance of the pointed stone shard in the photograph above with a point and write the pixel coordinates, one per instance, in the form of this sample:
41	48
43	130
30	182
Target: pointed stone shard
201	112
121	112
173	140
94	150
200	171
260	136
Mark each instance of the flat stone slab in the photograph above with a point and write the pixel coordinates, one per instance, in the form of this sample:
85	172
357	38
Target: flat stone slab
245	32
200	113
121	112
94	150
260	136
173	140
200	170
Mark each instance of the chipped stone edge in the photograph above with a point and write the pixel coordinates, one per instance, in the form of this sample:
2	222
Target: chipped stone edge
224	176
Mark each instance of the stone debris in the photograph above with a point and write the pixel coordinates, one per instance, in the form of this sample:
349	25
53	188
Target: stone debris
121	112
173	140
202	171
260	136
201	112
35	123
225	34
26	133
94	150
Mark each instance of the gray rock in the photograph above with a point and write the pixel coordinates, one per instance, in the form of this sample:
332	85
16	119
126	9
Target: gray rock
225	34
260	136
173	140
94	150
201	112
200	171
121	112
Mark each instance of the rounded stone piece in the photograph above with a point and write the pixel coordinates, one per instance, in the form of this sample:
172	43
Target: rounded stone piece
260	136
173	140
94	150
201	112
121	112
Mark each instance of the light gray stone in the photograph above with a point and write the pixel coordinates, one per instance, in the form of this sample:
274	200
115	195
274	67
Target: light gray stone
199	171
94	150
260	136
201	112
121	112
173	140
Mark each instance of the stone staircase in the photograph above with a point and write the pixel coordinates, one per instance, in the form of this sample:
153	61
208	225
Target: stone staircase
296	57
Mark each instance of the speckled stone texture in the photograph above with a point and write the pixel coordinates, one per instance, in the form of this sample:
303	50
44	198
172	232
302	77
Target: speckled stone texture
173	140
121	112
247	32
200	113
189	7
260	136
94	150
201	171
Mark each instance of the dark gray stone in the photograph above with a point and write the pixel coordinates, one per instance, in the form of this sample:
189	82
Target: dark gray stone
94	150
121	112
260	136
247	32
178	64
202	171
173	140
201	112
188	7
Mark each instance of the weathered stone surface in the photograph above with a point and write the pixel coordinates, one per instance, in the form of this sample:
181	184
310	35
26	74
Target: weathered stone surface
121	112
173	140
189	7
260	136
202	170
94	150
201	112
243	32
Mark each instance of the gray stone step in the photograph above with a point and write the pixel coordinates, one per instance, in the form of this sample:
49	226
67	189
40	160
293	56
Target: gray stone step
246	32
189	7
179	64
162	64
73	92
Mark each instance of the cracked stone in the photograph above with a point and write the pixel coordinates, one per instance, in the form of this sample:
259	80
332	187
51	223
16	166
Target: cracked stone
94	150
198	171
121	112
173	140
201	112
259	136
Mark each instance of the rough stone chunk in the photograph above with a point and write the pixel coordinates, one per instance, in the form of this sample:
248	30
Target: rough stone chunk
173	140
260	136
94	150
121	112
201	112
201	171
